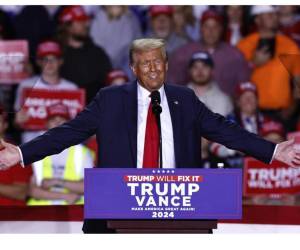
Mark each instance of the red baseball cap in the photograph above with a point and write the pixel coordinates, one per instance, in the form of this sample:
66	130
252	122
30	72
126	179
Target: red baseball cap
156	10
244	87
114	74
269	127
58	109
48	48
73	13
211	14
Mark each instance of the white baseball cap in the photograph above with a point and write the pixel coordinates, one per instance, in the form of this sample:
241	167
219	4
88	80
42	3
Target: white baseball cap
262	9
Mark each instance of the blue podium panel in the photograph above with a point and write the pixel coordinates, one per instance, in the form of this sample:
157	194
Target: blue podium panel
129	193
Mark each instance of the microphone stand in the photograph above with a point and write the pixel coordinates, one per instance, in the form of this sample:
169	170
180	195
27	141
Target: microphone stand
160	140
156	109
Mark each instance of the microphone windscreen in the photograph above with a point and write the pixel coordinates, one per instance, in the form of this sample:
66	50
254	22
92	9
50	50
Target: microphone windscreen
155	97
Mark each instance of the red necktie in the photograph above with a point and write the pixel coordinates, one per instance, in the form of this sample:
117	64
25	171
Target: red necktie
151	147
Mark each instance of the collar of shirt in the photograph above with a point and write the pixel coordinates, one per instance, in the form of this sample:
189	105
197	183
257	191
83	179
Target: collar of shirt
144	94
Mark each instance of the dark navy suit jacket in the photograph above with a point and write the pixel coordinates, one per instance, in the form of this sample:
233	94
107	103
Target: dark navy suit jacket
112	116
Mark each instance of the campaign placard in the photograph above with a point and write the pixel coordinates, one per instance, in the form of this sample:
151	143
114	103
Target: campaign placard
131	193
35	103
274	178
13	58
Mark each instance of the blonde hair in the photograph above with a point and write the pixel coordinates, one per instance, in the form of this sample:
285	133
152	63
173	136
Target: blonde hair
146	44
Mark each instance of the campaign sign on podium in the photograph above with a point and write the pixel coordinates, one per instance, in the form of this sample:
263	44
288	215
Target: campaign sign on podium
112	193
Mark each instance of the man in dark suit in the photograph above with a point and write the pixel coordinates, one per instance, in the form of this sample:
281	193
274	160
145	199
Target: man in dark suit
122	119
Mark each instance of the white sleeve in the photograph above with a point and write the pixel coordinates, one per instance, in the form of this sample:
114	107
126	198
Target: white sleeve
274	153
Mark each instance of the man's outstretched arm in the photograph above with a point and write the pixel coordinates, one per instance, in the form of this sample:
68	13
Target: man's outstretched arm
55	140
216	128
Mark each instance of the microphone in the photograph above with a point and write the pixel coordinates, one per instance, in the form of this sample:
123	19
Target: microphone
155	101
156	109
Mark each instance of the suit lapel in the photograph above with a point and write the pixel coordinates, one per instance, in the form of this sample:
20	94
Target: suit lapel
175	107
130	108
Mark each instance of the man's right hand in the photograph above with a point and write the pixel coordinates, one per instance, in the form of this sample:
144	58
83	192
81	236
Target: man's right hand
9	155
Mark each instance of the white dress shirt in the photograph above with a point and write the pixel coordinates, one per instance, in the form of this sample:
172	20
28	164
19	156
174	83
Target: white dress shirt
168	155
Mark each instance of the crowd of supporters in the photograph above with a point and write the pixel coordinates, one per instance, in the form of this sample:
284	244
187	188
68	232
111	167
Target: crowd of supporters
242	62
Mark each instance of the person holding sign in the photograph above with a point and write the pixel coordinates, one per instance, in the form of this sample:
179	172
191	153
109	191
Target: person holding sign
50	60
124	119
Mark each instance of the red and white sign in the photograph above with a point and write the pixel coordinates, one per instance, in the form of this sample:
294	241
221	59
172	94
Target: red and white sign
13	58
36	101
276	178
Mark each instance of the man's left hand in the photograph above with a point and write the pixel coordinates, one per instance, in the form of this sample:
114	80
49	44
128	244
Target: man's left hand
289	153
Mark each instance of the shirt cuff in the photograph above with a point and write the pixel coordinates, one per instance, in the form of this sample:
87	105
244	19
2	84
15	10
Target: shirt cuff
274	153
21	155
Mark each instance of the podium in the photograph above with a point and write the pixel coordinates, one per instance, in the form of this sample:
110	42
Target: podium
162	226
162	201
